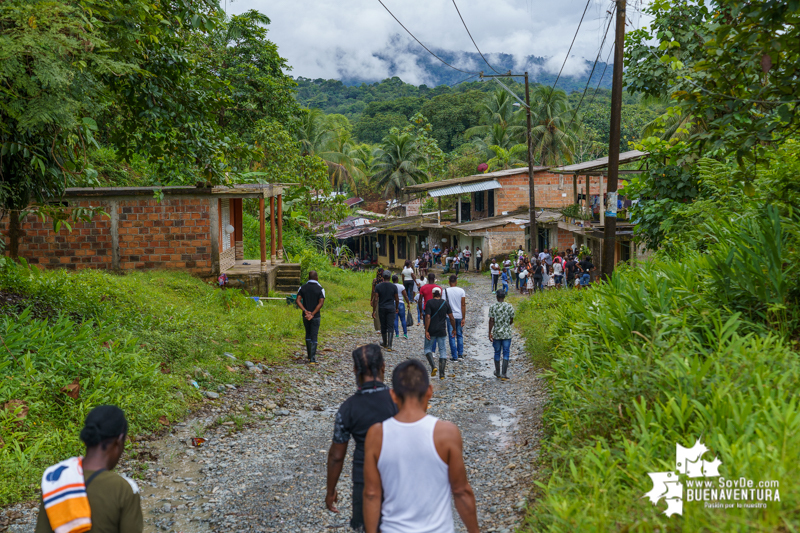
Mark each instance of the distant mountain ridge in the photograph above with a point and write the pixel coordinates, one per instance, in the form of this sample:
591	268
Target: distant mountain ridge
439	74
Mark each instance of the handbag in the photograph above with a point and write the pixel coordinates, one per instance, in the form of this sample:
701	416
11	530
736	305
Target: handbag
409	318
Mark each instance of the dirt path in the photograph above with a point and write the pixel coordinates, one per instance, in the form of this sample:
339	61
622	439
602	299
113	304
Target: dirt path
262	467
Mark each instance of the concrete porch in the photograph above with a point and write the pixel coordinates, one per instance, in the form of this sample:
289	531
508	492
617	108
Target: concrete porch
246	274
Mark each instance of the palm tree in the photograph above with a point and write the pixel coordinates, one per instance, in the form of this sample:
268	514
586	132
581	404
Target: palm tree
397	164
553	130
329	137
504	159
499	110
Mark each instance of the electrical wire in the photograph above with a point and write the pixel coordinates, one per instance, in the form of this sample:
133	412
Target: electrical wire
571	44
473	40
465	79
422	45
600	51
608	58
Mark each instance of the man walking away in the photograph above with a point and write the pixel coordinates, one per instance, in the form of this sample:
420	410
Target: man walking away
414	463
494	268
426	291
371	404
310	299
586	268
457	298
404	298
478	259
437	312
501	317
388	306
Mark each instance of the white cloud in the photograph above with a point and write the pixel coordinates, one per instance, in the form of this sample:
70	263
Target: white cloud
324	39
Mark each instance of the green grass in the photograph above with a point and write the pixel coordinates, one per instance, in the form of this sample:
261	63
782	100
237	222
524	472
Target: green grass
134	340
663	355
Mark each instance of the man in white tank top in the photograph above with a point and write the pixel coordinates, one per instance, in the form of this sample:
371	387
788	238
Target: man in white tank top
413	463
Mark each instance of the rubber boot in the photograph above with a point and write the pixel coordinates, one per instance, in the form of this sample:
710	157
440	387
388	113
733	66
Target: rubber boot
497	369
504	377
383	338
442	366
429	356
389	339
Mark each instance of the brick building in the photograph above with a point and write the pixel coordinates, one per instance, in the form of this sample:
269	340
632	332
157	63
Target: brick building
198	230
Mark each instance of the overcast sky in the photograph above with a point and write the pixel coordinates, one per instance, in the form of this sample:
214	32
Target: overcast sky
335	39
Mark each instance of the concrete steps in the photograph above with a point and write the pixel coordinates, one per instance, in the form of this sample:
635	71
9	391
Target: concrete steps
287	278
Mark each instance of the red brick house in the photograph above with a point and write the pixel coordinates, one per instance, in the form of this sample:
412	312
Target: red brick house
198	230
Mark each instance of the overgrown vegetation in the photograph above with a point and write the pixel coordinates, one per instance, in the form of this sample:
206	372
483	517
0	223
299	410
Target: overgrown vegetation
704	347
136	341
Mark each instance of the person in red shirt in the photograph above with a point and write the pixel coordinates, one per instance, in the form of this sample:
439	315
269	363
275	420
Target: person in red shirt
426	291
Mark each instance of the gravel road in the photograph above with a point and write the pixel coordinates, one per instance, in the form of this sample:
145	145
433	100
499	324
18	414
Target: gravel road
262	467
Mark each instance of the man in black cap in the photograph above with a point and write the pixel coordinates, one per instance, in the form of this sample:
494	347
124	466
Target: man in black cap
310	299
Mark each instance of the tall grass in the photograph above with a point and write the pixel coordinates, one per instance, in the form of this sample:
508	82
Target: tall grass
136	341
671	353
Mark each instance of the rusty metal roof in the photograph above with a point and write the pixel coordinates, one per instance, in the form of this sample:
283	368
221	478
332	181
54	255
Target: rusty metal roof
469	179
596	164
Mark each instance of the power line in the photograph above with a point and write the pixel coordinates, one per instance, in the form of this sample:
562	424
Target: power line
422	45
600	51
465	79
608	58
571	44
473	40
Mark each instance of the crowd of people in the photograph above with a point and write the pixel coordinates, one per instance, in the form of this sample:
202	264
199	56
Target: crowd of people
450	258
544	270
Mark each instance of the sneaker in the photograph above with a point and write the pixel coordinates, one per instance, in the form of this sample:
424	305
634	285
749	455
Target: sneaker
397	336
405	336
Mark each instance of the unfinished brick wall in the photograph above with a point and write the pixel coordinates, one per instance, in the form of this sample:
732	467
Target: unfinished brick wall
88	245
553	191
500	241
136	233
174	233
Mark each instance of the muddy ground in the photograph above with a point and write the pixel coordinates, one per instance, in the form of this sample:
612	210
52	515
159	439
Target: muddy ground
262	467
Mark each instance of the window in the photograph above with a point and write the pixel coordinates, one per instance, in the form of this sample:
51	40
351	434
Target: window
401	247
382	245
479	203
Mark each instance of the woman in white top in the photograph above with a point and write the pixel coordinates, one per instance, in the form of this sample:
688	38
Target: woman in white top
494	268
408	278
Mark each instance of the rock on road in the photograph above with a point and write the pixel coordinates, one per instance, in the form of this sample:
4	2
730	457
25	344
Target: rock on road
263	465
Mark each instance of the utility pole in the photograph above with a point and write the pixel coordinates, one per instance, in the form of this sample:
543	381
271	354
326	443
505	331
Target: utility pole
610	229
531	185
532	192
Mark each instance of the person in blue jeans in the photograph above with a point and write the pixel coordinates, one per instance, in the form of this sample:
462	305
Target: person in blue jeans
400	317
504	278
501	318
437	313
457	299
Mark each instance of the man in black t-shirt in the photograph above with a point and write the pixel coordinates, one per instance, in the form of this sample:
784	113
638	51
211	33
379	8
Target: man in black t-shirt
586	268
310	299
371	404
437	312
570	267
388	307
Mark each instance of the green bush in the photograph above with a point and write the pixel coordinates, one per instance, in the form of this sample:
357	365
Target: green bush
136	341
671	353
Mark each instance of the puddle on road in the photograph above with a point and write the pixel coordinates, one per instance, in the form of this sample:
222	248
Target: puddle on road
481	350
506	423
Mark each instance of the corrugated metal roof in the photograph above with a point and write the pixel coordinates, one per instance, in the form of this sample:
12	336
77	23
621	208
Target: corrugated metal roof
625	157
466	188
470	179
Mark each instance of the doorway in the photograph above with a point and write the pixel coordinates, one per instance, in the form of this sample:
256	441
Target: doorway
391	249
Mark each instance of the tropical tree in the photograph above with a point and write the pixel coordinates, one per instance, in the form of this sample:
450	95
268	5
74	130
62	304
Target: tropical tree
498	110
397	164
554	128
504	159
